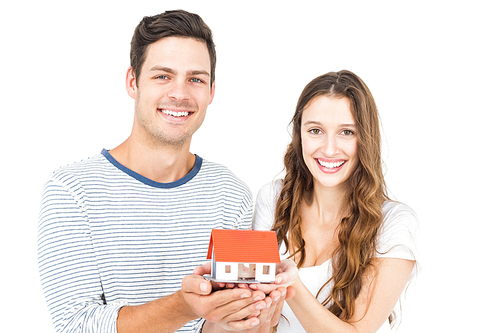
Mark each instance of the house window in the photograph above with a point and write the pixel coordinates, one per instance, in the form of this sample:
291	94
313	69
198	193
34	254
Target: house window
228	268
265	269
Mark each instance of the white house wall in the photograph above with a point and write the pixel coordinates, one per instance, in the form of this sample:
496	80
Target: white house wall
221	271
259	276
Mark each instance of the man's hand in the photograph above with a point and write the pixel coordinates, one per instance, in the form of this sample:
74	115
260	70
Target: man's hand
231	309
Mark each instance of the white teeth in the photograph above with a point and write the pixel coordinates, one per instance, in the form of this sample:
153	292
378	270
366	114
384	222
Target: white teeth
175	114
330	165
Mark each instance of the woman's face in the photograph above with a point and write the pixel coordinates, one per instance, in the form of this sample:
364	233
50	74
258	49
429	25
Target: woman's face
329	143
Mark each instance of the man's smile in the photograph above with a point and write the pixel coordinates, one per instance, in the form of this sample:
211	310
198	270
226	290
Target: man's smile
175	113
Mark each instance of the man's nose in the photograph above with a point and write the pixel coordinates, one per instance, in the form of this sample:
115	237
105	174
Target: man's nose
178	90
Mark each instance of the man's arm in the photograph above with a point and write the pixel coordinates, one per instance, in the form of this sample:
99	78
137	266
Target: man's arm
193	301
166	314
68	271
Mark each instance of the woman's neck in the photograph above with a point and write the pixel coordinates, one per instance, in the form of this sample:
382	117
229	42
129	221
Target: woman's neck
327	204
321	212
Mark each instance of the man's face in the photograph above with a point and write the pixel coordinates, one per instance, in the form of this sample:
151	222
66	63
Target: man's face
173	91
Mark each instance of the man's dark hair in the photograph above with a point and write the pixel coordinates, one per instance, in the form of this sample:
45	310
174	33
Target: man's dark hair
177	23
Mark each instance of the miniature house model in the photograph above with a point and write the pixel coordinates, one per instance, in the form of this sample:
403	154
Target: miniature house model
247	256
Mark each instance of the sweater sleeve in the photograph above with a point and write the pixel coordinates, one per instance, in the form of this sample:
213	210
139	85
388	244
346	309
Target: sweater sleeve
68	270
245	221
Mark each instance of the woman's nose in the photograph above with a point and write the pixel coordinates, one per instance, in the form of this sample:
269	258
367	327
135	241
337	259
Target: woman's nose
331	146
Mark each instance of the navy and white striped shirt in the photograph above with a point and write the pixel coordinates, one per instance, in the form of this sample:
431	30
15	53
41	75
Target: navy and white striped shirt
109	237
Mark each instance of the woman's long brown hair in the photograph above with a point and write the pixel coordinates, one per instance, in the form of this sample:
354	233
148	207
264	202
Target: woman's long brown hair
359	228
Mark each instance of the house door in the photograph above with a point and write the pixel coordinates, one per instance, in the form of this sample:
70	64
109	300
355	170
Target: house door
246	271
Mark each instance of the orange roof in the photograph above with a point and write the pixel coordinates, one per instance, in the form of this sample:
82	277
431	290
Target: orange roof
244	246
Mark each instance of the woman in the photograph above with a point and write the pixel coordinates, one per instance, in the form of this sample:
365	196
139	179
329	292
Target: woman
354	247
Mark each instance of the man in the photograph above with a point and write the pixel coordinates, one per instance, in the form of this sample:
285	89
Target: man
121	233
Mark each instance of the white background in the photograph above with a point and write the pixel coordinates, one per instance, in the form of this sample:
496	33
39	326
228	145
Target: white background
433	67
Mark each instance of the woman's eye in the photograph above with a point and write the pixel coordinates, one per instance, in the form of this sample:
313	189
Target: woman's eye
315	131
347	132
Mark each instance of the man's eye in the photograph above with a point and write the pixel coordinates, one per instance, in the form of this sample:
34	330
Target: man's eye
196	80
162	77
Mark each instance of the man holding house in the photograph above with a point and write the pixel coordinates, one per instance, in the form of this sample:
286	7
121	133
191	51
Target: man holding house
121	232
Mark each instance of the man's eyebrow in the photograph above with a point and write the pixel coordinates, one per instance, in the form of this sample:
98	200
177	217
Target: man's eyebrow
173	71
198	72
162	69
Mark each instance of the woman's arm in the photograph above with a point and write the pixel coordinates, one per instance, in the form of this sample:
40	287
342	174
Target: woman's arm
382	287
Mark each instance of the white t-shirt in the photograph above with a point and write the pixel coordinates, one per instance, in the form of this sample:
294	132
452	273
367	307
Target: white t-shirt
397	240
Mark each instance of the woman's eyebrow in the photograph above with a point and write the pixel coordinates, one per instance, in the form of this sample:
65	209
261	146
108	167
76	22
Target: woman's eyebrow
312	122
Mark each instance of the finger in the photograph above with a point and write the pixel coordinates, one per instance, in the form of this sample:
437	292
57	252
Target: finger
196	284
243	285
234	309
257	294
263	314
278	299
226	296
206	268
264	287
266	313
276	294
230	301
275	316
283	278
242	325
249	311
290	292
221	285
287	272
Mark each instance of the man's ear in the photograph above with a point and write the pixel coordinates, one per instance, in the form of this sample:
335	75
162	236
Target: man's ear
131	83
212	92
